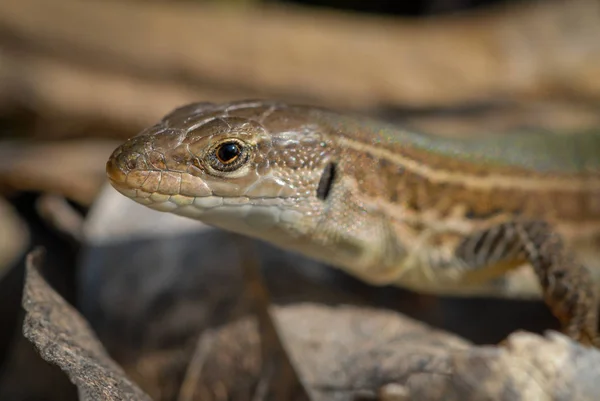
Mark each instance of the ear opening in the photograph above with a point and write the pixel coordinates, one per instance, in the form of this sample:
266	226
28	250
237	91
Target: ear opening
326	181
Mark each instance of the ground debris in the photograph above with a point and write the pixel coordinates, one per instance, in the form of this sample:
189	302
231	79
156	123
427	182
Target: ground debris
341	353
63	337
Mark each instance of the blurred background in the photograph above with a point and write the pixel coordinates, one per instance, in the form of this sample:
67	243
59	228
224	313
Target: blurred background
79	77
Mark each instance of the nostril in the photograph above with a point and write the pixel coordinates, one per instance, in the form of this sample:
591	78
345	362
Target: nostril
131	163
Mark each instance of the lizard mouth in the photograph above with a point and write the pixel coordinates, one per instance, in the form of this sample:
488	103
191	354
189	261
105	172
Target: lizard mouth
135	186
238	211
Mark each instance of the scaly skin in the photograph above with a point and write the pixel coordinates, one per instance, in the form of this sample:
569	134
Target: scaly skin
436	215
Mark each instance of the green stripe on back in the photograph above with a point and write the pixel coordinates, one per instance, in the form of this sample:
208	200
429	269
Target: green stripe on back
540	151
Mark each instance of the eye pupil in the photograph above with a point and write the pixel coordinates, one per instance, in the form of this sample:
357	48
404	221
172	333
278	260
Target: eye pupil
228	155
228	152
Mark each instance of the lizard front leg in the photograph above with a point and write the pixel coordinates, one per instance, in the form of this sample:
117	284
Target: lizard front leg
567	286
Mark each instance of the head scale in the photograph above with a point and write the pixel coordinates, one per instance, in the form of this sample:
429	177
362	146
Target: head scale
253	168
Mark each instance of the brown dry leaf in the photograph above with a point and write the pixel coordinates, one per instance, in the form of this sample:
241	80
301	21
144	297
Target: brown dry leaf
73	169
121	62
63	337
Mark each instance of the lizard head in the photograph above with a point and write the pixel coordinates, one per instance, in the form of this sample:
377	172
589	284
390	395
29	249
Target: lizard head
255	168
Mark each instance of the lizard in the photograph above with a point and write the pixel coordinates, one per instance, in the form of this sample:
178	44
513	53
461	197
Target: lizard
513	215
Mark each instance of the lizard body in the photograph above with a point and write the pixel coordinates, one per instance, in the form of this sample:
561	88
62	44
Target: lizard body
390	206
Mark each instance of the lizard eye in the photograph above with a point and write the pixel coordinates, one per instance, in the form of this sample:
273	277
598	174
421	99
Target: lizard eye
227	152
228	155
